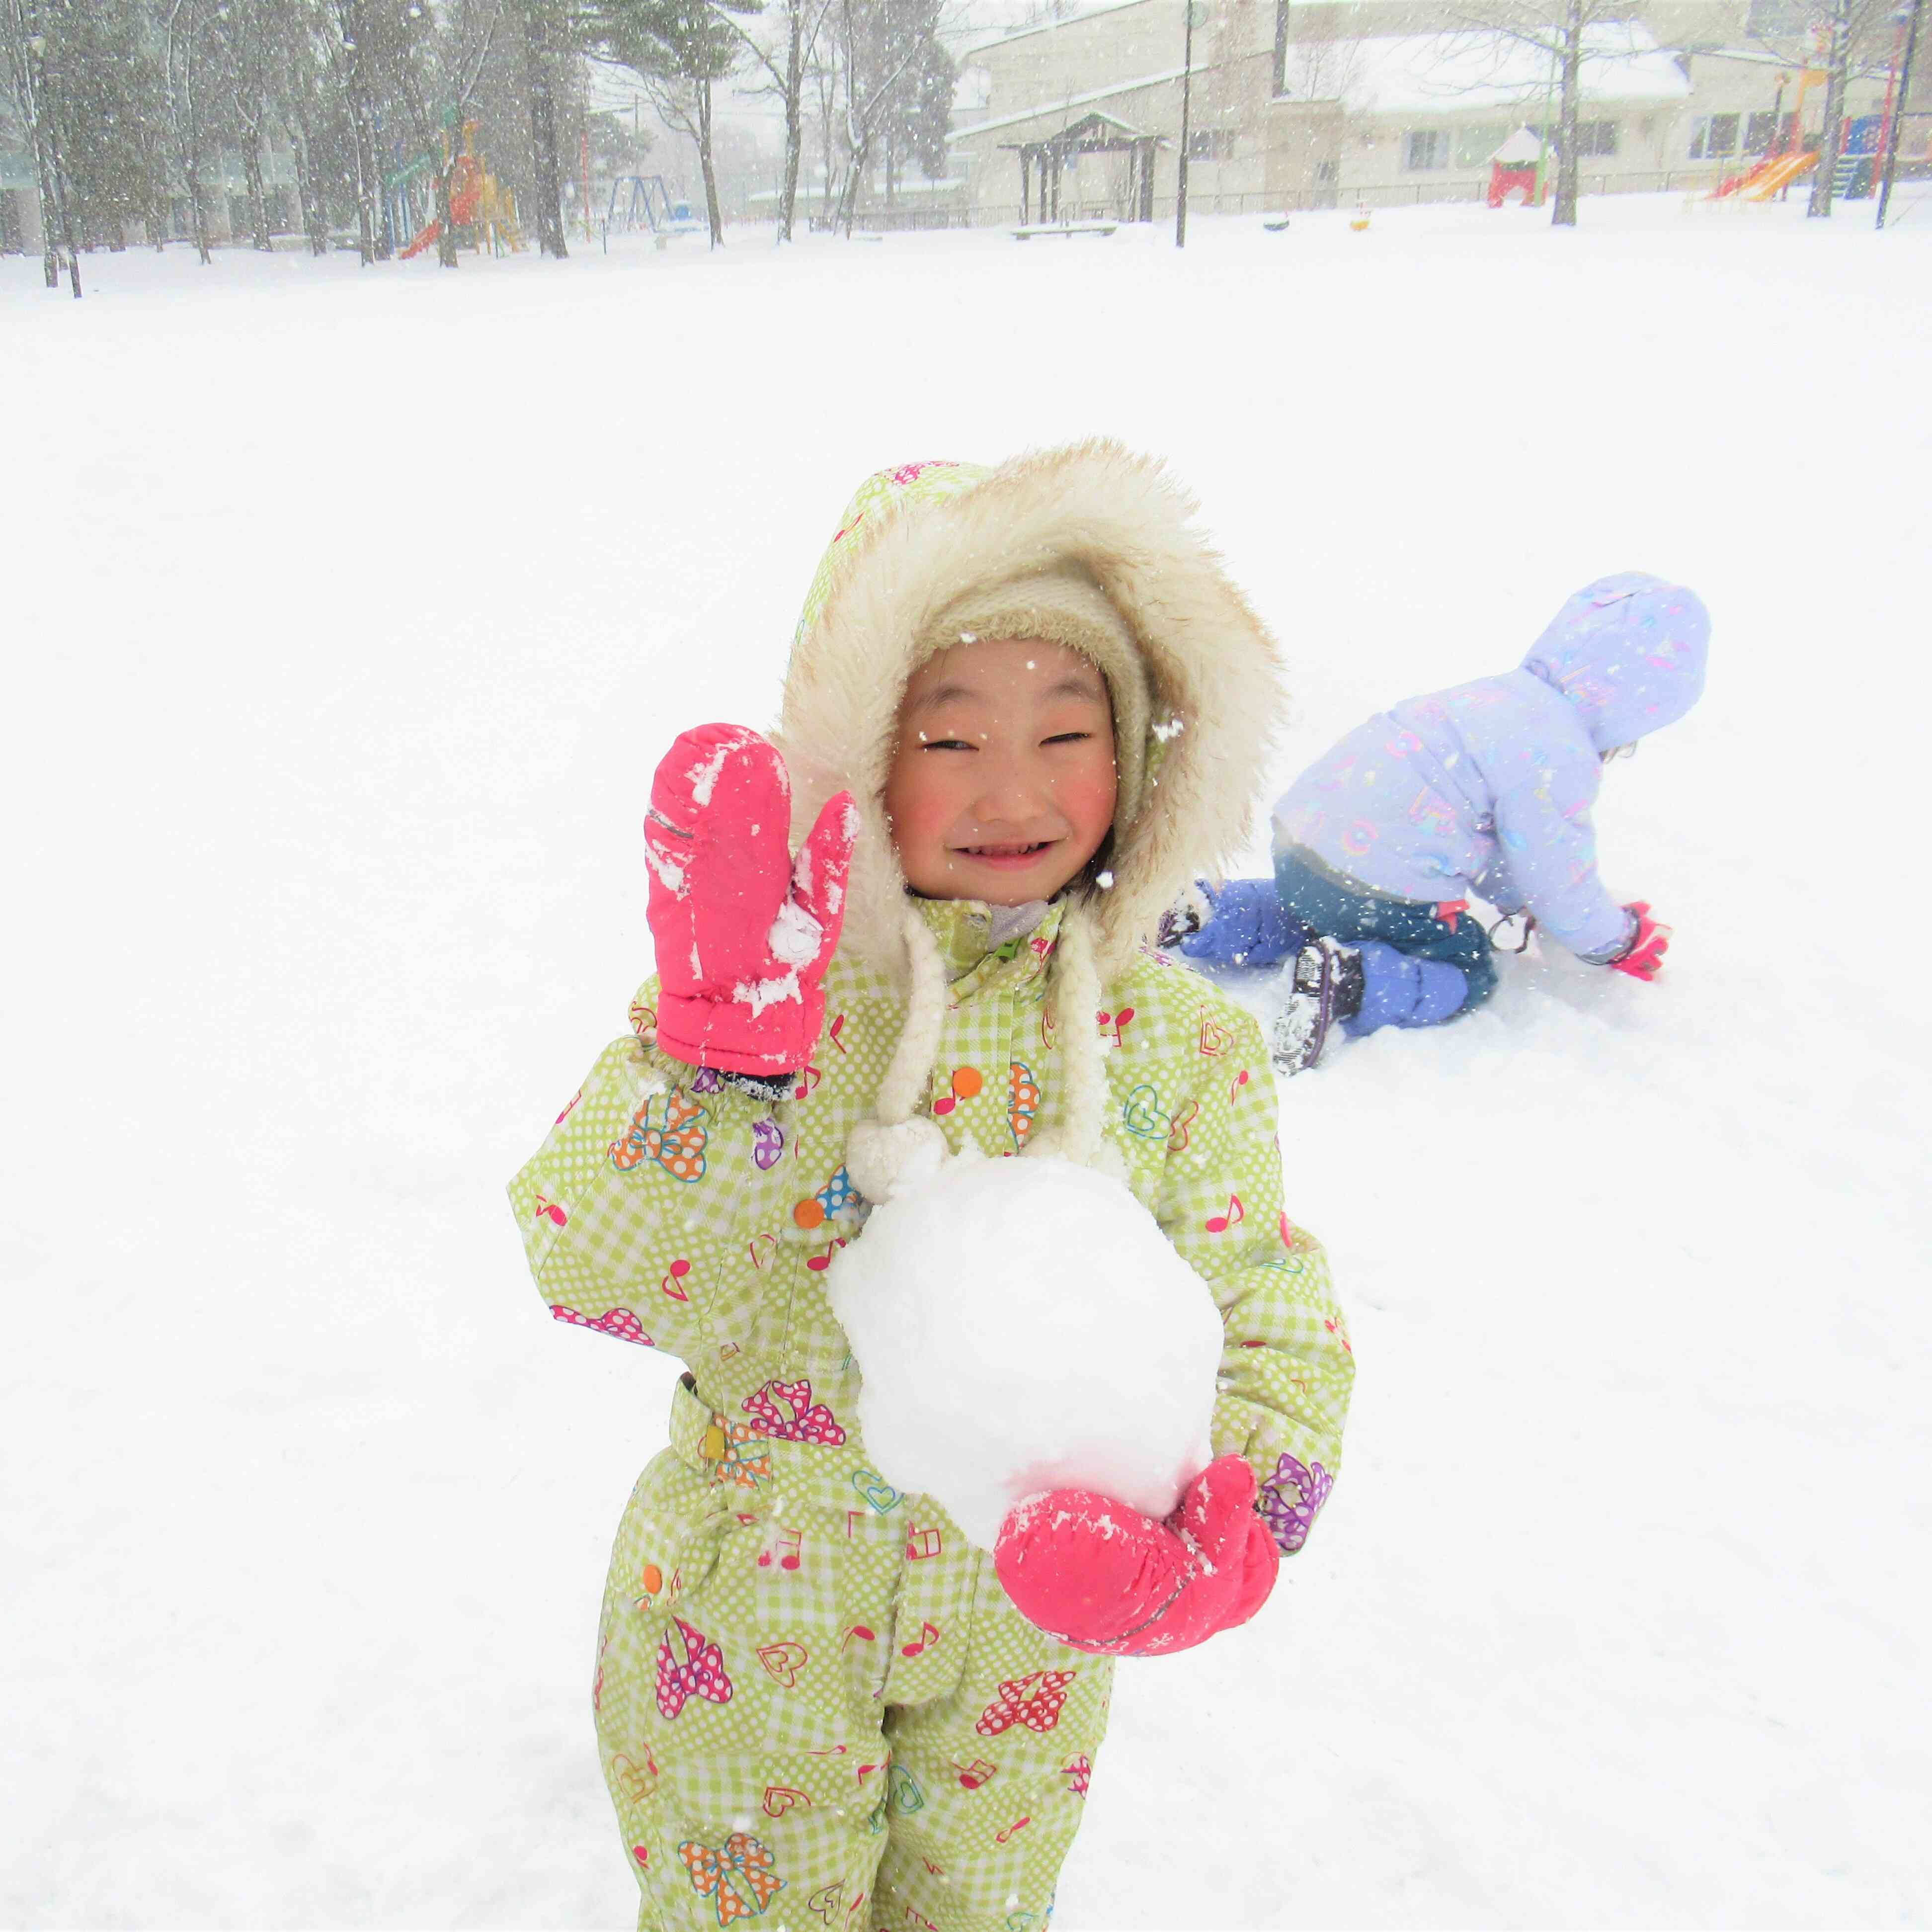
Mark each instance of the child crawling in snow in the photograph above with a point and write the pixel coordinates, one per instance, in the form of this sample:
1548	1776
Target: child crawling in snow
1486	787
1020	711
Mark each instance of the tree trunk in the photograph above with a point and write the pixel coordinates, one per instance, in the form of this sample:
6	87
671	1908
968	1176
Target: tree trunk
43	181
445	240
1568	161
251	170
711	210
63	200
197	195
794	118
314	216
365	225
198	204
543	141
1836	58
188	133
848	189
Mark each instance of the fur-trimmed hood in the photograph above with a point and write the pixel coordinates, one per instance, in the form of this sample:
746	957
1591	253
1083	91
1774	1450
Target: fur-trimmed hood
914	540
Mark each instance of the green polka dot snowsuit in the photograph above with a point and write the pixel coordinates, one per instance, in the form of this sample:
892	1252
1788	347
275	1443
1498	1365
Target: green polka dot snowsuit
816	1706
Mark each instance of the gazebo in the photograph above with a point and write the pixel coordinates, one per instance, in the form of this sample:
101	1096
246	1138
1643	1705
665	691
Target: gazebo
1095	134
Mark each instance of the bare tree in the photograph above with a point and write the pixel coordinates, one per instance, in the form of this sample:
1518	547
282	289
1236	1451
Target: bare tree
1848	39
685	105
248	31
680	48
550	27
349	63
788	80
192	64
462	53
879	48
26	65
1568	32
299	108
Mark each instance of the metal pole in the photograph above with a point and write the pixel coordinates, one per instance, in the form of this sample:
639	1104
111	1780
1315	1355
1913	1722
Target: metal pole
1187	104
1898	117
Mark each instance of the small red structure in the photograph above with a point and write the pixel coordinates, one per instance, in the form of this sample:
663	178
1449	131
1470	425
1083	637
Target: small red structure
1514	166
1504	181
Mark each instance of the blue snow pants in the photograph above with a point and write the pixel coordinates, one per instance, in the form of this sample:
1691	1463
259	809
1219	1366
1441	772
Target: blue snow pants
1405	944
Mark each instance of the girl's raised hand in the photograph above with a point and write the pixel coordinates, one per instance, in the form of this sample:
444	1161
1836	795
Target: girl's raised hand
744	929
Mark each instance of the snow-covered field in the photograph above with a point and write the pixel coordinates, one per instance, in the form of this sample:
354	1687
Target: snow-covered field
346	615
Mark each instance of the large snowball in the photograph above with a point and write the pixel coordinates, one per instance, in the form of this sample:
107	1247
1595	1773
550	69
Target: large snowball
1024	1325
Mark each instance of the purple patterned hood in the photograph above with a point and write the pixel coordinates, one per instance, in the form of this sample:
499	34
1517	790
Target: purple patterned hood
1628	653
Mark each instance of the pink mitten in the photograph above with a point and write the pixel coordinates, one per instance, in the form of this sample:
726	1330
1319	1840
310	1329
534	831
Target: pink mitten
743	931
1105	1578
1644	954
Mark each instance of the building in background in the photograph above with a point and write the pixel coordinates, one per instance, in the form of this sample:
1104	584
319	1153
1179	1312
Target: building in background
1372	102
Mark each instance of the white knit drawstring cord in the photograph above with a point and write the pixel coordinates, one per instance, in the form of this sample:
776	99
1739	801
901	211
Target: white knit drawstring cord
910	1071
896	1144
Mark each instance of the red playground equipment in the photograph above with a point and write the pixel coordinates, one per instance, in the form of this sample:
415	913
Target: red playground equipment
477	201
1517	164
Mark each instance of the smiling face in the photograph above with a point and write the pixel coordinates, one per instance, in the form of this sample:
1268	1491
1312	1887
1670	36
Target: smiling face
1002	784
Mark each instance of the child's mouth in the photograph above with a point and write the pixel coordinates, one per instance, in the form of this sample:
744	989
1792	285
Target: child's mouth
1013	855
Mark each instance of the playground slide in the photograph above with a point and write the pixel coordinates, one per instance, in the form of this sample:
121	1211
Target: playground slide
426	238
1783	172
1734	184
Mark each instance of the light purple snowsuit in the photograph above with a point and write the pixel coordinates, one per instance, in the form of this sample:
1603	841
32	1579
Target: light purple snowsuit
1487	787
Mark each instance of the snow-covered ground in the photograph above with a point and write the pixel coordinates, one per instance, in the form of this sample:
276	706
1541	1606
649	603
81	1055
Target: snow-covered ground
346	615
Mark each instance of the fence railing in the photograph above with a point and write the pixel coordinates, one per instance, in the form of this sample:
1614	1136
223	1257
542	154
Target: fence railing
1697	178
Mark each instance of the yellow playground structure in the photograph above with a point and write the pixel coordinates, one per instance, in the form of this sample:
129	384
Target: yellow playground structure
1789	158
479	204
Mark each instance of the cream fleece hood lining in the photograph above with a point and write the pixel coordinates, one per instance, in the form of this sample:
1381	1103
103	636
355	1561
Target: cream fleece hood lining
1213	673
1215	695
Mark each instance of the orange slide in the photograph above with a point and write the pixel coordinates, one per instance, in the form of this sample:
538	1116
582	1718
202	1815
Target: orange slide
1780	173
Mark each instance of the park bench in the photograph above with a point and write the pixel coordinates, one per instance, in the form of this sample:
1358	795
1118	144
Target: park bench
1065	228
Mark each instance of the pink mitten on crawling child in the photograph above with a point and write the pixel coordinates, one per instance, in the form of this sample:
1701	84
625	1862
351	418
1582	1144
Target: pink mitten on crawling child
744	930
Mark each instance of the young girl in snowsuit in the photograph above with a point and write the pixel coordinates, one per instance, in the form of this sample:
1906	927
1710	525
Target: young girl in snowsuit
1020	711
1485	787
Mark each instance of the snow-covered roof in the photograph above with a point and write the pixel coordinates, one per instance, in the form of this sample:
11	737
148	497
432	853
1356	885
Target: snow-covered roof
1519	151
1001	36
903	191
1473	71
1067	101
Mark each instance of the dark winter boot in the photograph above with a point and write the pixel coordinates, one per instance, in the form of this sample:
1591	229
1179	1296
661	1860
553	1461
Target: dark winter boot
1325	984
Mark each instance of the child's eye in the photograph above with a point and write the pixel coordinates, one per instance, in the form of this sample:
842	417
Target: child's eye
1070	737
946	745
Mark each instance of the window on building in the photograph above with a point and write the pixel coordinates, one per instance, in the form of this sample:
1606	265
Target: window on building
1760	131
1593	137
1210	144
1474	146
1713	135
1425	148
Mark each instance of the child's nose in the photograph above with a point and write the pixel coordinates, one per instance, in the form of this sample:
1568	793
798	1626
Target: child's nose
1013	789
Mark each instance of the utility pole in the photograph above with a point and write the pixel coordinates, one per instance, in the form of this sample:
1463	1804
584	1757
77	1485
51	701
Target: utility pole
1890	144
1186	104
